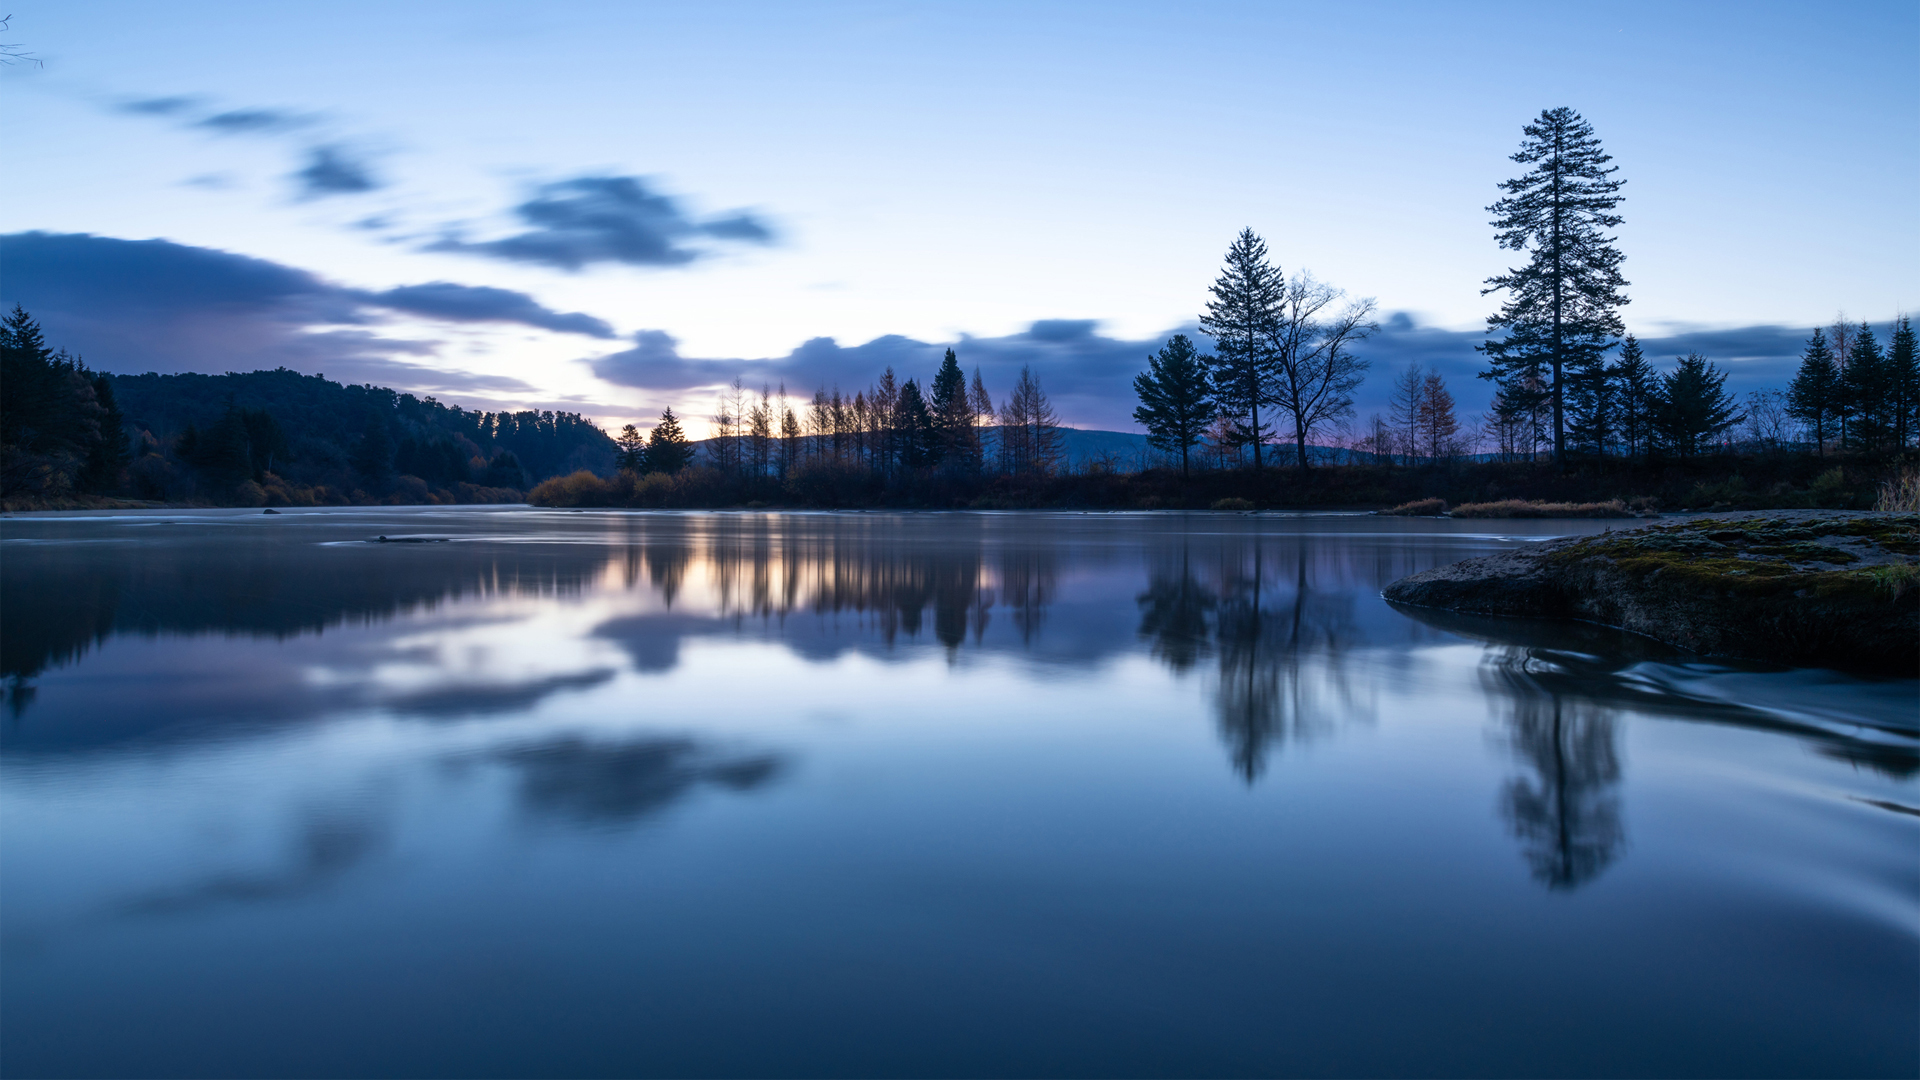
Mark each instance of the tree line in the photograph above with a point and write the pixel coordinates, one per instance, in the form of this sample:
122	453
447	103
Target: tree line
889	431
260	437
1282	365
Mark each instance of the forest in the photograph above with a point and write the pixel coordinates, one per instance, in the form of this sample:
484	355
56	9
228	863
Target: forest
1265	418
264	438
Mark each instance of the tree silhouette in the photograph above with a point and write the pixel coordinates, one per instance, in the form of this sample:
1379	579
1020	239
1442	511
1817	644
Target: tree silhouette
632	455
1814	395
1567	813
1176	400
668	450
1243	318
1562	306
1693	407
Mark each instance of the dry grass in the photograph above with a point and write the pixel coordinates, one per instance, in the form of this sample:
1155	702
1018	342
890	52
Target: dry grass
1520	508
1233	504
1902	493
1419	508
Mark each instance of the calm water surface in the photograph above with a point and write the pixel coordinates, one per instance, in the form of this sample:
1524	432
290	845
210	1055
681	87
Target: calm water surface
929	794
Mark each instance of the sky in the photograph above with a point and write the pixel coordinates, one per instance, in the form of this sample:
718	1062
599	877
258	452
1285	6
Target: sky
611	208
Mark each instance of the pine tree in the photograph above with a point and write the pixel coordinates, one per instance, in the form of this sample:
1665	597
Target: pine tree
918	440
1869	392
1562	306
1175	400
109	454
1591	421
1903	371
1634	392
1813	398
1243	318
631	455
667	447
952	410
1693	408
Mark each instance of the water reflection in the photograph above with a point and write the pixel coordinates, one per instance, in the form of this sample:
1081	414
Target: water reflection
1281	642
999	786
1566	810
578	781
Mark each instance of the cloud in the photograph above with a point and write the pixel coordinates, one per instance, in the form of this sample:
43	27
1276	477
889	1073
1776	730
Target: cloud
153	305
1089	375
594	219
244	121
331	170
159	106
481	303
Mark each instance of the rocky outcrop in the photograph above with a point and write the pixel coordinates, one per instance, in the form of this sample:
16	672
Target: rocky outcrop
1816	588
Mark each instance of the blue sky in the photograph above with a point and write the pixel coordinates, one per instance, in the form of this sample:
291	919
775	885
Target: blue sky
611	207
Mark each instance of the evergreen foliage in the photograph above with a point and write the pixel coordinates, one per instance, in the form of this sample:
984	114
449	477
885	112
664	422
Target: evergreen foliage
632	453
1562	306
1903	372
1635	391
1176	401
917	439
668	450
1693	408
1868	389
1243	318
1814	396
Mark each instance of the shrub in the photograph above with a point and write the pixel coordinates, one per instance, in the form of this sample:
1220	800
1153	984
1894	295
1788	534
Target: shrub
578	489
1232	504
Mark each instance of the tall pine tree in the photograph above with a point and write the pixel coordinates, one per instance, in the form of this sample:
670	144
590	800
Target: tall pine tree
1635	389
1814	397
1868	391
1903	370
1243	318
1175	400
1562	306
668	450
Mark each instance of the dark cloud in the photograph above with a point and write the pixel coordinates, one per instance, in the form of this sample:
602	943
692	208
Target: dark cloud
593	219
480	303
248	121
332	170
152	305
1089	375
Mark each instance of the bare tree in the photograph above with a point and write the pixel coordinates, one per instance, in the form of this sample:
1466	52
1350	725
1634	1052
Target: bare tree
1409	391
1029	428
1314	371
1438	426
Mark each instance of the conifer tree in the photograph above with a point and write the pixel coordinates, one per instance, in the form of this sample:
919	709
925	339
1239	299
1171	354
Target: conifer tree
1903	371
667	446
1591	420
952	410
1693	407
1868	392
1562	306
917	439
1635	390
109	454
631	455
1176	403
1813	397
1243	318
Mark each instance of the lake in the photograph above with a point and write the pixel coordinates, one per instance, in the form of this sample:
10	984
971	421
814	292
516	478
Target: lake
537	793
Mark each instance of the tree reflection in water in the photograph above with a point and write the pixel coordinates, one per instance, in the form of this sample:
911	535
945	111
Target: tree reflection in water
1566	811
1281	677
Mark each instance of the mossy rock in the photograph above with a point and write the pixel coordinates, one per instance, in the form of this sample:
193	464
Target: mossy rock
1818	588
